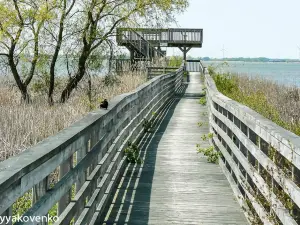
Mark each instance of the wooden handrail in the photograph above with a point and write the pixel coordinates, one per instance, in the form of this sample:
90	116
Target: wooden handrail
89	156
251	147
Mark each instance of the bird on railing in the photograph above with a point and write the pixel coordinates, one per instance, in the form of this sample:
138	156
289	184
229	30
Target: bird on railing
104	104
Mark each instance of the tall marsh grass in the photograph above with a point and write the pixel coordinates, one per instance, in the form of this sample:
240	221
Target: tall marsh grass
25	125
277	102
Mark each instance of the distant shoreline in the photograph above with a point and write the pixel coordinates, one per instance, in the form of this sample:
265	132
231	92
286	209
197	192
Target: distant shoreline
298	62
262	60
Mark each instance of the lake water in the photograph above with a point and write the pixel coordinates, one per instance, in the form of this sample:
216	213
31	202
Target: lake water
60	68
283	73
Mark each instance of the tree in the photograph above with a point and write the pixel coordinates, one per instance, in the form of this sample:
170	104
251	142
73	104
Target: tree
20	26
33	30
64	11
101	17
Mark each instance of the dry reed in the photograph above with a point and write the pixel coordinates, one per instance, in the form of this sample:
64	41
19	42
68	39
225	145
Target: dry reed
25	125
277	102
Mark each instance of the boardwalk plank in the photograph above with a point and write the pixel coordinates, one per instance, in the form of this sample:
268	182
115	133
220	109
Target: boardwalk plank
175	185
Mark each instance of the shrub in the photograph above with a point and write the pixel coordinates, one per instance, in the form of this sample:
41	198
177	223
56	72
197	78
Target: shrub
175	61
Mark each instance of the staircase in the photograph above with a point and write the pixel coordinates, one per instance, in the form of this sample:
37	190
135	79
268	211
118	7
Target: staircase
139	47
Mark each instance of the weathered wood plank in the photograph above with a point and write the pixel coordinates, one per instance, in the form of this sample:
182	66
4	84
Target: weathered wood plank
253	143
174	186
65	200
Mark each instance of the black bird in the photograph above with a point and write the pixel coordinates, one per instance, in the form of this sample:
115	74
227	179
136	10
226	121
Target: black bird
104	104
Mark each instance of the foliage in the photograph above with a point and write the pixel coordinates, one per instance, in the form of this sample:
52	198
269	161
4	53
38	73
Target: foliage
200	124
212	155
132	153
206	137
175	61
268	99
202	101
185	73
22	204
148	124
83	30
41	83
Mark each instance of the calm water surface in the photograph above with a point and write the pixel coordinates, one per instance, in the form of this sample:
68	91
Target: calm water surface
283	73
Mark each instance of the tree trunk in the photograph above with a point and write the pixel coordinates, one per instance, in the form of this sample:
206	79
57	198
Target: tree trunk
89	92
52	74
55	56
78	76
22	87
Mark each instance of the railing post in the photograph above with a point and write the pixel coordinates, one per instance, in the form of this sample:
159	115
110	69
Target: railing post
80	154
7	214
38	191
148	72
66	199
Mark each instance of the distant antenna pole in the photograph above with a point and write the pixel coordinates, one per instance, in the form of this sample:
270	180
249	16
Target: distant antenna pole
299	51
223	50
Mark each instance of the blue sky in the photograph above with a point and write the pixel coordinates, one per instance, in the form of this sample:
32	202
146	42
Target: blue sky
252	28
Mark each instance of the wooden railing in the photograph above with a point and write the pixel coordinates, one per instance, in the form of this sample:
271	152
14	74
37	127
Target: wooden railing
88	157
139	43
194	66
202	67
260	158
156	71
157	36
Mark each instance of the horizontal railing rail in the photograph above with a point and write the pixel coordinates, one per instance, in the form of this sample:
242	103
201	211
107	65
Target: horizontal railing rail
262	158
88	157
194	66
156	36
156	71
139	43
202	67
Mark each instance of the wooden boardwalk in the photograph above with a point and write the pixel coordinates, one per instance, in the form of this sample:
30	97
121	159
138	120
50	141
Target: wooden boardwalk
175	185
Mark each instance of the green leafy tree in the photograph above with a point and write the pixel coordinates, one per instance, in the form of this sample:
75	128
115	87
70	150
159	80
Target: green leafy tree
101	17
21	23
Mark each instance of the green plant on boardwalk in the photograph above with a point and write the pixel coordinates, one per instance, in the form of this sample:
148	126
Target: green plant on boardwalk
185	73
200	124
212	155
206	137
202	100
154	114
148	124
132	153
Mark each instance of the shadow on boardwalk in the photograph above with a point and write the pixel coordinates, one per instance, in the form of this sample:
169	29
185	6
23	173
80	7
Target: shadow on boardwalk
131	203
176	185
